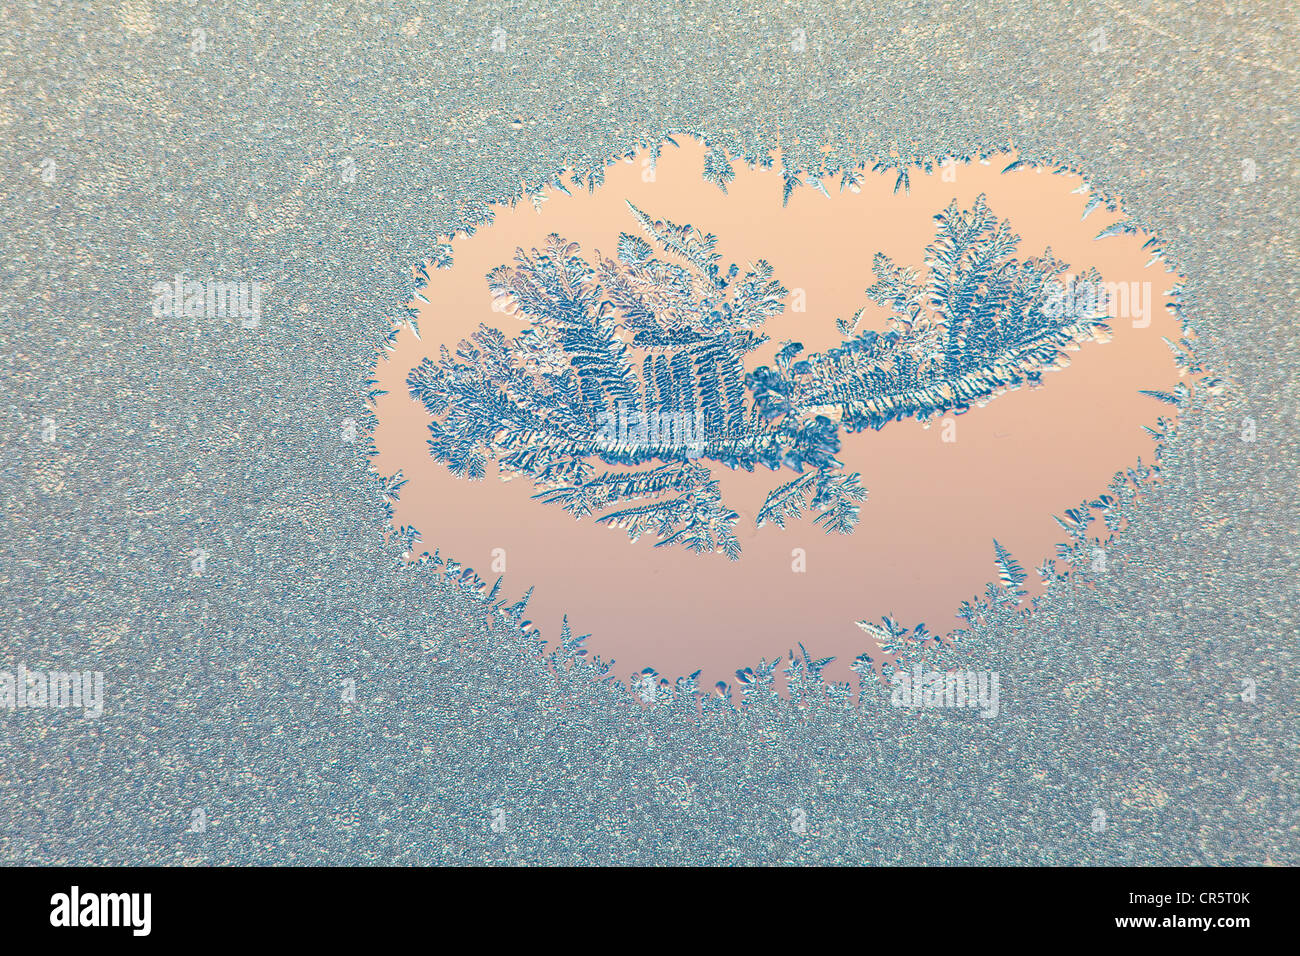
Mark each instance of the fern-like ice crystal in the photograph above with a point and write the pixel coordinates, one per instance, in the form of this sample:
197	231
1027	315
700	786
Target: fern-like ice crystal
630	373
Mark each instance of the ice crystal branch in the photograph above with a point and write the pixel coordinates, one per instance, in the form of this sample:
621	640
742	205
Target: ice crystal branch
637	363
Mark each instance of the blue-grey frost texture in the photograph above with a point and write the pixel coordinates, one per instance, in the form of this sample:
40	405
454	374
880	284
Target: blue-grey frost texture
187	506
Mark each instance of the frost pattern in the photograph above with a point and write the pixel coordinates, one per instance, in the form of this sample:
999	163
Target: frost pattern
632	369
